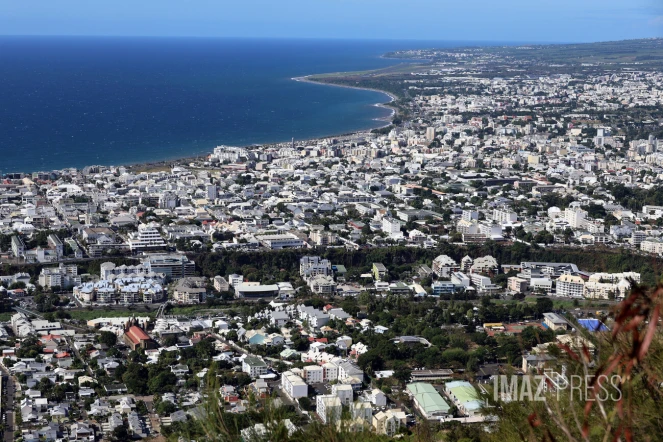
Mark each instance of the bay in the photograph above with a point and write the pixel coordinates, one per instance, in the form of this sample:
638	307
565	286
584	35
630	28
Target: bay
77	101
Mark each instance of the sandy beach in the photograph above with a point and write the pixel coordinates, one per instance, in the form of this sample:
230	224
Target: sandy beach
183	160
392	98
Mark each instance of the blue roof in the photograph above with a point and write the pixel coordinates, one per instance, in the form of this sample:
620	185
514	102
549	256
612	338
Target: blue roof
592	324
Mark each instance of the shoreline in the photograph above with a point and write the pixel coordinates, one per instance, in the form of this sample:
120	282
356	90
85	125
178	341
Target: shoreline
163	163
392	97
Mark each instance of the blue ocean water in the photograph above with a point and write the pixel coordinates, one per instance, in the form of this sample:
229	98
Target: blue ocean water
73	101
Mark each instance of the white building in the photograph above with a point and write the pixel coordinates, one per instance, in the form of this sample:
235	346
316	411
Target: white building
293	385
328	407
541	285
234	280
485	264
504	216
63	276
614	277
391	226
311	266
322	285
570	286
610	285
146	238
377	397
277	242
220	284
444	266
460	279
388	422
330	371
323	238
638	237
313	374
652	245
361	411
470	215
344	393
575	217
254	366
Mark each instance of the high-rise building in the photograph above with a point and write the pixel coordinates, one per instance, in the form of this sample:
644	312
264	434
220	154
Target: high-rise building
146	238
430	133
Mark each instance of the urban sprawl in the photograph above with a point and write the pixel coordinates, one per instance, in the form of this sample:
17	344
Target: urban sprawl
350	280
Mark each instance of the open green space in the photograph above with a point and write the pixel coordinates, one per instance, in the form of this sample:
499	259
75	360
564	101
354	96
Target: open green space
86	315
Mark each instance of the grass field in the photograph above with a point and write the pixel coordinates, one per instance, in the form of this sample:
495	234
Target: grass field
566	304
86	315
193	309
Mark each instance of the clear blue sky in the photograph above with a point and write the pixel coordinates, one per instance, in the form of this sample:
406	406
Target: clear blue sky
465	20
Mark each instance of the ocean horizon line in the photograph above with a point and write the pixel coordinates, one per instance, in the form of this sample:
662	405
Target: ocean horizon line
286	38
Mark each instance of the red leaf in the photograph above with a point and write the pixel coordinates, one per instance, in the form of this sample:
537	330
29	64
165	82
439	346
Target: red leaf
628	434
571	353
653	321
533	420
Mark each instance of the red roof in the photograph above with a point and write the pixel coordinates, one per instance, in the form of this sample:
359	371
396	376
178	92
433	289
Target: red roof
322	340
136	334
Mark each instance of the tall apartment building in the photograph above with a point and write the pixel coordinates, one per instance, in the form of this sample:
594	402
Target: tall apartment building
444	266
293	385
234	280
220	284
470	215
146	238
637	238
504	216
391	226
18	247
313	374
570	286
64	276
56	244
430	133
344	393
173	265
328	407
575	217
312	266
323	238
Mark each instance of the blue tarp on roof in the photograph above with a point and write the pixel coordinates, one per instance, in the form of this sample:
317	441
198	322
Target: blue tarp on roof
592	324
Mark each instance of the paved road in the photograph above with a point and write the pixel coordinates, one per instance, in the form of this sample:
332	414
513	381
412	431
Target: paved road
70	341
8	392
233	345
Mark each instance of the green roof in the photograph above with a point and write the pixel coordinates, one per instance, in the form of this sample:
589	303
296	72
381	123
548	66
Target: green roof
254	361
428	398
288	352
463	391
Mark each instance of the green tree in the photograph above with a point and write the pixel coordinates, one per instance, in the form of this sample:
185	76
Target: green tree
121	434
162	382
543	305
108	338
165	408
136	378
